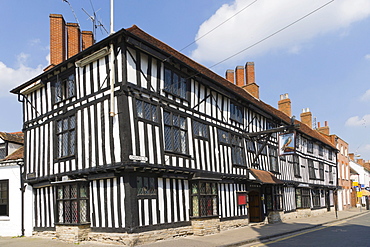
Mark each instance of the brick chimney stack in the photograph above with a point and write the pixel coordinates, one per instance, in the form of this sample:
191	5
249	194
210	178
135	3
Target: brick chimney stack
87	39
325	129
306	117
57	39
244	77
74	39
230	76
285	104
66	40
239	76
251	86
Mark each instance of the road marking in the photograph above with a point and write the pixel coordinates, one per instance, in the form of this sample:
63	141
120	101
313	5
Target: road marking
298	234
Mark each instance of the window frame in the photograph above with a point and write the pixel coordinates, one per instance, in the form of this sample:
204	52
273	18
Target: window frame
304	197
152	190
309	146
321	171
70	200
296	166
173	129
273	156
236	112
142	113
65	84
169	86
197	196
311	169
3	150
316	198
200	130
4	200
71	135
237	150
274	198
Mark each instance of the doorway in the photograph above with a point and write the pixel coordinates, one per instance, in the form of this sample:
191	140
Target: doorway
255	206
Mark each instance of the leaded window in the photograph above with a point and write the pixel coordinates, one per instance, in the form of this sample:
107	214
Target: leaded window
321	150
200	130
237	150
4	197
316	198
250	146
296	166
321	170
175	83
146	186
66	136
309	146
331	174
303	199
72	203
204	199
223	136
175	133
64	88
311	169
274	165
2	151
146	111
236	112
274	198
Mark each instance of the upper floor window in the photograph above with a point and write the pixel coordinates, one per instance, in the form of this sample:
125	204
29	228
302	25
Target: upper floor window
250	146
331	174
309	146
146	111
321	170
262	148
4	197
237	150
64	88
296	166
311	169
175	83
175	133
223	136
321	150
200	130
274	165
2	151
330	154
66	136
236	113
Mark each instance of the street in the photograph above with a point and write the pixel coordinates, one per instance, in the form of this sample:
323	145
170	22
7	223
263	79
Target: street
352	232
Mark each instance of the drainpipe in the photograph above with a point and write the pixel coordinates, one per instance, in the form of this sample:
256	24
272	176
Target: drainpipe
22	188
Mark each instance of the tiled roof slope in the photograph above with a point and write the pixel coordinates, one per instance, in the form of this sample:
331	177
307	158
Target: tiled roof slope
16	137
134	30
16	155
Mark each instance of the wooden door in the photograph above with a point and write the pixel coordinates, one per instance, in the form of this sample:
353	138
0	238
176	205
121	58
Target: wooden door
254	206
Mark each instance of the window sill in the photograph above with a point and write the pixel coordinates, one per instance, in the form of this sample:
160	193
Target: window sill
72	224
203	217
4	218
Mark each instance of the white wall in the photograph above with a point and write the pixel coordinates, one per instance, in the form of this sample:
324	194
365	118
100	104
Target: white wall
11	225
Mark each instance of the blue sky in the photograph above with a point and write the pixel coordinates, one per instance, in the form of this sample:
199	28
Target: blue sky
322	61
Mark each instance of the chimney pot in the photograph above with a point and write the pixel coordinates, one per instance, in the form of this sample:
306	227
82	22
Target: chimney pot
284	104
306	117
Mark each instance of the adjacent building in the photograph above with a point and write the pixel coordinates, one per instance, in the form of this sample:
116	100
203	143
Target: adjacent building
130	135
15	218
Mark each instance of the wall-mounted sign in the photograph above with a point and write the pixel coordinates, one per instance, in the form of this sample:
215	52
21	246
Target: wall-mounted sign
287	143
137	158
242	198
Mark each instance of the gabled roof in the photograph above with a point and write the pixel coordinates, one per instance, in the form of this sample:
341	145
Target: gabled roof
226	84
16	137
16	155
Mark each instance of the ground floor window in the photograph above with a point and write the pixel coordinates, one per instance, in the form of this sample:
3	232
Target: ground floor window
72	203
204	199
316	198
274	198
303	198
4	195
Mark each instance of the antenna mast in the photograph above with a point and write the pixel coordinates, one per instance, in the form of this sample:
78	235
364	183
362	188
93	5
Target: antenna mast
111	17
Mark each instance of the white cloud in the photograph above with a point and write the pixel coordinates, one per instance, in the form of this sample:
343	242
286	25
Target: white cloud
266	17
366	96
10	77
367	56
357	121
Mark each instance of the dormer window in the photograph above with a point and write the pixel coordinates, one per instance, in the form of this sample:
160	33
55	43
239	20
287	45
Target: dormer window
2	151
64	88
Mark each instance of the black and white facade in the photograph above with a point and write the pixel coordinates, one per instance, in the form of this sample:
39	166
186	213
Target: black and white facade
130	136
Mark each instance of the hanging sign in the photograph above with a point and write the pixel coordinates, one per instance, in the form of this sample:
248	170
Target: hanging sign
287	143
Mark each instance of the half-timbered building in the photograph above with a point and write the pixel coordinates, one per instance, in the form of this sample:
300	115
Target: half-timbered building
130	135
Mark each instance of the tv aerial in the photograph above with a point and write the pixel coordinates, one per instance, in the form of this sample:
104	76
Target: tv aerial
66	1
96	23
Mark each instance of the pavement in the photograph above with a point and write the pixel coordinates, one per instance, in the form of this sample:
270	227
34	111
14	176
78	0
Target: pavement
235	237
